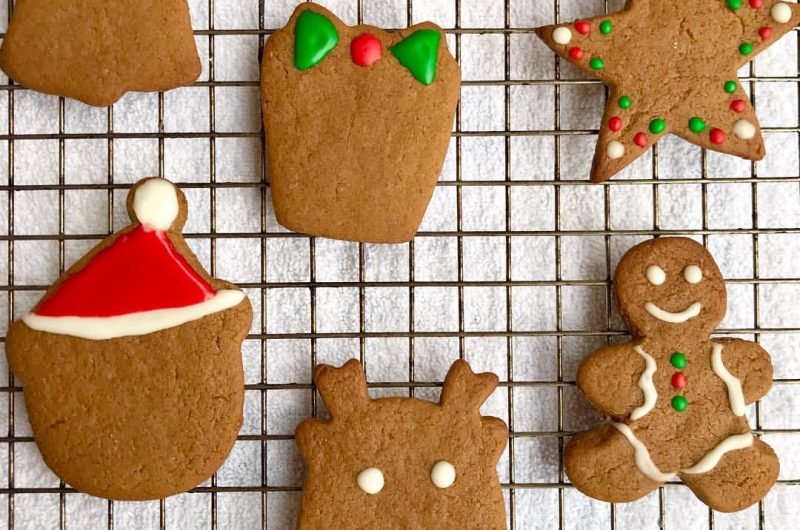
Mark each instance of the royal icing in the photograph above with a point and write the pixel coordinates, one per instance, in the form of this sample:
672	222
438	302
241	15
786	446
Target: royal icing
693	274
443	474
641	456
156	204
419	53
781	13
655	275
562	35
615	150
744	129
370	480
366	49
646	384
315	37
710	461
735	394
673	318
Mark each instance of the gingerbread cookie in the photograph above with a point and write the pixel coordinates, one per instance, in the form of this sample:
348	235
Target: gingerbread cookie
402	462
95	51
358	123
677	398
131	362
672	68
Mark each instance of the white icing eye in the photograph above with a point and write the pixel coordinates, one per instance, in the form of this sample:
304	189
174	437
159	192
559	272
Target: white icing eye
693	274
370	480
656	275
443	474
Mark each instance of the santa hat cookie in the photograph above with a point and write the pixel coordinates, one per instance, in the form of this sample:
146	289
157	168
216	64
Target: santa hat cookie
131	363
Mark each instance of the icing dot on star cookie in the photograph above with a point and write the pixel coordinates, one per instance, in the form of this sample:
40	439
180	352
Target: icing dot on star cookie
718	136
615	123
575	53
597	63
370	480
605	27
765	33
697	125
738	105
744	130
625	102
583	27
781	13
640	139
734	5
745	48
658	126
756	4
615	150
562	35
730	87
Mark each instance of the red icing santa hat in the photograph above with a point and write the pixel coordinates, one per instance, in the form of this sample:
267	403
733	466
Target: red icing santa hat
137	285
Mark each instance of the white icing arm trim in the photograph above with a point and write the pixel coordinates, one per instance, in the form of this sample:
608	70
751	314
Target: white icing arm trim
642	456
647	386
710	461
735	394
102	328
673	318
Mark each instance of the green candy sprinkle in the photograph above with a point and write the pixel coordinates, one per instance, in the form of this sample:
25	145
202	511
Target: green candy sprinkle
734	5
745	48
678	360
696	125
730	87
625	102
657	126
606	27
679	403
597	64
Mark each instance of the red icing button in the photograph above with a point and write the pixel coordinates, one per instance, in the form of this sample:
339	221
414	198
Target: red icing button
765	33
678	380
718	136
575	53
366	49
738	105
615	124
583	27
640	139
756	4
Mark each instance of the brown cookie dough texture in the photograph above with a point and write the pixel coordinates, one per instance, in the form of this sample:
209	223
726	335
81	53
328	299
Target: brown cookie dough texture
402	462
354	152
136	417
676	397
672	68
96	50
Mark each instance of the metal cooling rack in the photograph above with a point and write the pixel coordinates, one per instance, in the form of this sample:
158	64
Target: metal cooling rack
560	384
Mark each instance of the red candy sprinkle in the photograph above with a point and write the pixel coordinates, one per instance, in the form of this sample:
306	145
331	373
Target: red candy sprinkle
366	49
640	139
583	27
738	105
575	53
718	136
765	33
678	380
615	124
756	4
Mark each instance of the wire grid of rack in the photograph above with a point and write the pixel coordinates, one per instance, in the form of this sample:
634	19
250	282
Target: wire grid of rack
521	508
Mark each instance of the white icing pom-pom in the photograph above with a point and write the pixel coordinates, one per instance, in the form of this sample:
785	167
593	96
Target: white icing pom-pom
156	204
744	130
781	13
562	35
615	150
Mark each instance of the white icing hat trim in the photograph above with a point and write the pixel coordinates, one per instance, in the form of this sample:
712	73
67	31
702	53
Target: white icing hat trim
443	474
155	204
641	456
370	480
712	458
615	150
673	318
735	394
744	130
647	386
132	324
562	35
781	13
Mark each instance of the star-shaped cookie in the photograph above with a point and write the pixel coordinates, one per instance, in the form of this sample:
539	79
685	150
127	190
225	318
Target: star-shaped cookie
672	68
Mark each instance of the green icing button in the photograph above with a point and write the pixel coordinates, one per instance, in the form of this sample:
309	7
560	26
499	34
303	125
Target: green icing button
314	38
678	360
696	125
597	64
657	126
679	403
730	87
625	102
419	52
606	27
734	5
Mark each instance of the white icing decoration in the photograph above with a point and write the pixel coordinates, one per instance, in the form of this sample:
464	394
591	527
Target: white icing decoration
744	130
693	274
370	480
673	318
132	324
656	275
156	204
562	35
615	150
642	456
781	13
710	461
647	386
443	474
735	394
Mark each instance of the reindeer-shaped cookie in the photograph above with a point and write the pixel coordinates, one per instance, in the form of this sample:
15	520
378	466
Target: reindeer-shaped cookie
402	463
677	397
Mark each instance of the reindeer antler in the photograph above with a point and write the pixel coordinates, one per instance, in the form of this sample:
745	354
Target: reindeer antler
466	390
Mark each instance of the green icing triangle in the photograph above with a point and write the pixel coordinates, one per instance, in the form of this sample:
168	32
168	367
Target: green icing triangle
314	38
419	52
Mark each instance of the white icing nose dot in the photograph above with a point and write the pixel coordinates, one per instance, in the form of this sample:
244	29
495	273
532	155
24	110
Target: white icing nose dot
155	204
656	275
370	480
693	274
443	474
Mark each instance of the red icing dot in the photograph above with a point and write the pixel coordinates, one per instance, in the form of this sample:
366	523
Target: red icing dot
366	49
718	136
756	4
678	380
738	105
615	124
583	27
640	139
765	33
575	53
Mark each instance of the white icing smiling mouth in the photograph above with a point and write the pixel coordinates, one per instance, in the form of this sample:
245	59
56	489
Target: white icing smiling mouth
673	318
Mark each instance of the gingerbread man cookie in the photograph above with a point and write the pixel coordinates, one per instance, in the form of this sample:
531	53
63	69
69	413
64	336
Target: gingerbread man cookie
676	397
131	362
402	462
672	69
